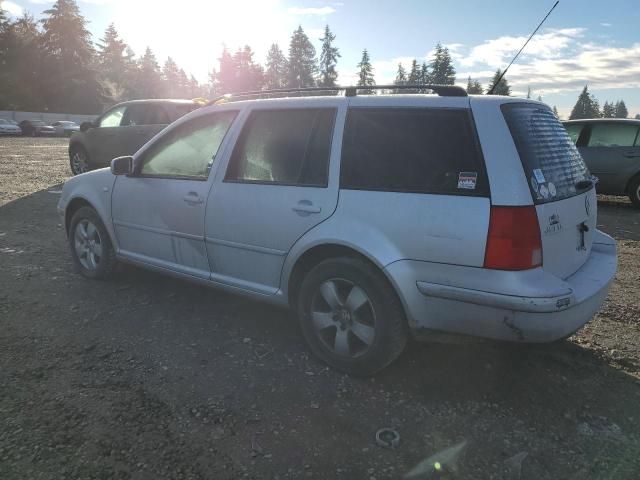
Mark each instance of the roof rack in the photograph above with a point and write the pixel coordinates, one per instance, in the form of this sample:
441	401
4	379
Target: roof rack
351	91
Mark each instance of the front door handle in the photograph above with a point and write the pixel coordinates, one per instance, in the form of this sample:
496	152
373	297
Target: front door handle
306	207
192	198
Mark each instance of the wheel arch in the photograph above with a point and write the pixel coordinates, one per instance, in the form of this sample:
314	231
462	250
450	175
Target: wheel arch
76	204
315	254
632	178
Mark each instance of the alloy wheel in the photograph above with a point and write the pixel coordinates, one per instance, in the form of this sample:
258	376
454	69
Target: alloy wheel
88	244
343	318
79	162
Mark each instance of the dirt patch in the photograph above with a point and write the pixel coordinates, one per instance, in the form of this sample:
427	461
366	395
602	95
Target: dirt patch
145	377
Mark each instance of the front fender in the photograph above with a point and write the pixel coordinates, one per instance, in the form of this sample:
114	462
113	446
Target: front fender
94	188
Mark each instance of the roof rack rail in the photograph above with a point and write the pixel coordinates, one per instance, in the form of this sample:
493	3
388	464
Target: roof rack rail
350	91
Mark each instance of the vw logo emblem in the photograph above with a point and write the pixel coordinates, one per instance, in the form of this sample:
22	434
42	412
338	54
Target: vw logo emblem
587	205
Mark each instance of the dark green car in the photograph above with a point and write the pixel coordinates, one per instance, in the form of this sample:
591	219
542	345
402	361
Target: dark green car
122	130
611	149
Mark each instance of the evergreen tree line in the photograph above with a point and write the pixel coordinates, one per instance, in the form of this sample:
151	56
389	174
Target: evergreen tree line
588	106
53	65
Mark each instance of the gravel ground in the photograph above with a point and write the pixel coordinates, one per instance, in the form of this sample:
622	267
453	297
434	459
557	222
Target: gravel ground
146	377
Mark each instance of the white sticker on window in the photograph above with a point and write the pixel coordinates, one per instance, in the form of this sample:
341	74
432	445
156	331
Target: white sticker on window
544	192
539	175
467	180
552	189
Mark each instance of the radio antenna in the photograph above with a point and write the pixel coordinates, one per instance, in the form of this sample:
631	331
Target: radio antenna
490	92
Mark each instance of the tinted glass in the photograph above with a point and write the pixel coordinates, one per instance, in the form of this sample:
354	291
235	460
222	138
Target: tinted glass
179	110
136	114
550	158
189	150
156	115
412	150
574	131
613	135
289	147
112	118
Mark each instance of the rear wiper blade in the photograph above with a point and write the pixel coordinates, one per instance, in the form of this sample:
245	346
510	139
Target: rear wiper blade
583	185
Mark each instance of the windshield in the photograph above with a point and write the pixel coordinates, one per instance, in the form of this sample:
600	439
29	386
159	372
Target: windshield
550	158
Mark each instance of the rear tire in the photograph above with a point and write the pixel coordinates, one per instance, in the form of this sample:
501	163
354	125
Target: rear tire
351	316
78	160
90	244
634	191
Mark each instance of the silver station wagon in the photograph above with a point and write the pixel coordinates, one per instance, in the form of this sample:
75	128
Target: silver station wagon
372	216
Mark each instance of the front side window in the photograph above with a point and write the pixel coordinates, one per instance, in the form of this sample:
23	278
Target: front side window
189	150
414	150
112	118
136	114
286	147
156	115
613	135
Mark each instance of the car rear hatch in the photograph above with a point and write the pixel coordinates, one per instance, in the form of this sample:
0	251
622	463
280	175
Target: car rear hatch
561	186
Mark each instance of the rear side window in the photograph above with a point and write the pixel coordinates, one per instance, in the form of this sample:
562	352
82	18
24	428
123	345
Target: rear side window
613	135
180	109
574	131
415	150
550	158
285	147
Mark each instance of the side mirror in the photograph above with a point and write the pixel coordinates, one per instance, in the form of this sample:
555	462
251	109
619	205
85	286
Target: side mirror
122	166
84	126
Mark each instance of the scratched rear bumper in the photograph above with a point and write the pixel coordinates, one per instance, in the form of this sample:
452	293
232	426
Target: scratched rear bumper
529	306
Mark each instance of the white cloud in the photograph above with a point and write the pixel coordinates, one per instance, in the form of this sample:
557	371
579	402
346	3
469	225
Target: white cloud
606	24
311	10
13	9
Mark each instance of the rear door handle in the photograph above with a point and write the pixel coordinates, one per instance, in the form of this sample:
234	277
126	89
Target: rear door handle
306	207
192	198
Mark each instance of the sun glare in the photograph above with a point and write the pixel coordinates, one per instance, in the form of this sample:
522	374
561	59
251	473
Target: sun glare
194	31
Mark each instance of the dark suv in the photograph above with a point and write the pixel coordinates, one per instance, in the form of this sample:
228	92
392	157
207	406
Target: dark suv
611	150
122	130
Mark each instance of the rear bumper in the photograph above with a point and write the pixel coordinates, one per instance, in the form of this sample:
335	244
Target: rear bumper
528	306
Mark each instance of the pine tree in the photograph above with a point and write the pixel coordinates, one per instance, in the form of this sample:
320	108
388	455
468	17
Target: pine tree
425	76
414	73
441	66
113	64
502	88
474	87
302	61
608	110
276	72
226	75
539	98
637	117
171	79
21	70
149	78
249	75
401	75
555	112
71	83
586	106
328	59
365	73
621	110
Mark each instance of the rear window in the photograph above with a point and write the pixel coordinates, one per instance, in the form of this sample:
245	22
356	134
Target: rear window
550	158
419	150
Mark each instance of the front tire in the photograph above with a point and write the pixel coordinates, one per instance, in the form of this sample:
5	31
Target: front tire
78	160
351	316
91	248
634	191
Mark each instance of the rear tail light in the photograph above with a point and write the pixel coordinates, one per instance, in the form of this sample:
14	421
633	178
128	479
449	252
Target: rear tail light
513	242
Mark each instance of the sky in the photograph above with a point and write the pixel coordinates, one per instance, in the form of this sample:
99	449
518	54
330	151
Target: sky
594	43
